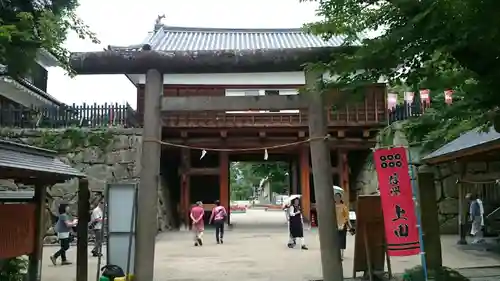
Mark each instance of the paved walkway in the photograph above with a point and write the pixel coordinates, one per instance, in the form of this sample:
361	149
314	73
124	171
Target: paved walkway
256	252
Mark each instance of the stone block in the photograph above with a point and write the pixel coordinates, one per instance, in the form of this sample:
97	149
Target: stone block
450	187
448	206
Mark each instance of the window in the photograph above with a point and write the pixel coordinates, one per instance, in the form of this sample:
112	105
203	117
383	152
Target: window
261	92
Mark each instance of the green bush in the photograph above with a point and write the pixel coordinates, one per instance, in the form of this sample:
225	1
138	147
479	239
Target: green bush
444	274
14	269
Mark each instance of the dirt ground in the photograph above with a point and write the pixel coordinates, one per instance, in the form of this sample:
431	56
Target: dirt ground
255	250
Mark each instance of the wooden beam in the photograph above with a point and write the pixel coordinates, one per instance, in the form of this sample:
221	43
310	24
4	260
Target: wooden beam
305	188
199	171
82	263
224	182
35	258
185	166
245	142
323	192
221	103
147	199
343	170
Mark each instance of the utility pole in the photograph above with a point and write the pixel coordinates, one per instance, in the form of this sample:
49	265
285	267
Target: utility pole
146	226
323	182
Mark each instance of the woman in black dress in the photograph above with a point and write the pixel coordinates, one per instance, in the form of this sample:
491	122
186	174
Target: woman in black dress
297	223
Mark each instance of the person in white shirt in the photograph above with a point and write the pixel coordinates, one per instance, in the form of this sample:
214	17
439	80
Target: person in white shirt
96	224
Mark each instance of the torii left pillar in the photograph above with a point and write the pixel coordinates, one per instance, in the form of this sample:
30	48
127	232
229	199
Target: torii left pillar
146	225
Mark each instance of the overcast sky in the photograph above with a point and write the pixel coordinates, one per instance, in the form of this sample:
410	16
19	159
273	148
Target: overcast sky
127	22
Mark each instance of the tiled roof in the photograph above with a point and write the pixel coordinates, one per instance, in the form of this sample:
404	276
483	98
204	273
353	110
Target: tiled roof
471	139
170	38
15	156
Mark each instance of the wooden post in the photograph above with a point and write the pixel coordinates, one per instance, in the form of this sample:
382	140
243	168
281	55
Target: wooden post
304	182
323	183
224	182
343	166
35	258
146	230
462	207
185	186
82	255
294	183
429	218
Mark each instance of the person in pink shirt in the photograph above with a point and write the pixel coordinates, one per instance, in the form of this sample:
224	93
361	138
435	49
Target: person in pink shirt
197	213
218	217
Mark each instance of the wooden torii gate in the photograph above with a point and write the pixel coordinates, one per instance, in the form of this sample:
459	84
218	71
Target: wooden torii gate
154	64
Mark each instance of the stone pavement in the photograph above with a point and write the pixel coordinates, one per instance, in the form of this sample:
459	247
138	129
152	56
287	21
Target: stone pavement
257	252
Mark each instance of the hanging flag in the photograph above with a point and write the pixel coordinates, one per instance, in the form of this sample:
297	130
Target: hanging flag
392	100
448	99
425	96
265	154
409	97
396	195
203	153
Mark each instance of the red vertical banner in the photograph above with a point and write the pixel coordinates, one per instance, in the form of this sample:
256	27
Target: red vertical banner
400	220
448	96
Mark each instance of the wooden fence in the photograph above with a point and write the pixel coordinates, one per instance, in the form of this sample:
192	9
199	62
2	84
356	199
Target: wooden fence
406	110
91	116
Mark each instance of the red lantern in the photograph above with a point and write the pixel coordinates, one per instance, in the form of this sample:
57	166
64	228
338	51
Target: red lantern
425	96
448	96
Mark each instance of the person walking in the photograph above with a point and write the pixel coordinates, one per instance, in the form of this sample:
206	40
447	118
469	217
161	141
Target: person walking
197	216
476	212
96	219
297	223
343	222
63	228
218	217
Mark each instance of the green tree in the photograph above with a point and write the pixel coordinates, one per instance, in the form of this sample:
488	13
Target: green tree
275	172
26	26
242	181
246	176
435	44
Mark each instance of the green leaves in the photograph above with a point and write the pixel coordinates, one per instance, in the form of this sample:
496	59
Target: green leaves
245	177
433	44
27	26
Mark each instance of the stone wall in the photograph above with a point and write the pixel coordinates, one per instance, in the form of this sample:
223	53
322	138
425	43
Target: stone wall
110	155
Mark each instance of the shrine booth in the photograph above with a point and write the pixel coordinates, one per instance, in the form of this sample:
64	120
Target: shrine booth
22	226
473	159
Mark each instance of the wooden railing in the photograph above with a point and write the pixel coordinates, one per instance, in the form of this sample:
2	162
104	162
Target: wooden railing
345	117
92	116
405	110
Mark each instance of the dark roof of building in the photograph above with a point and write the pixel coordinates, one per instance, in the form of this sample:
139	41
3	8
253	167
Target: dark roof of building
28	85
473	139
25	158
169	38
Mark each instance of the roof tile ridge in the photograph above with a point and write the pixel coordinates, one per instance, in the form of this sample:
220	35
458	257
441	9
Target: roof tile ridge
167	28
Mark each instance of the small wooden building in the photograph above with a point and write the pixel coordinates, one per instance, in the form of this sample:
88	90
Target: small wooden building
22	226
463	156
214	63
